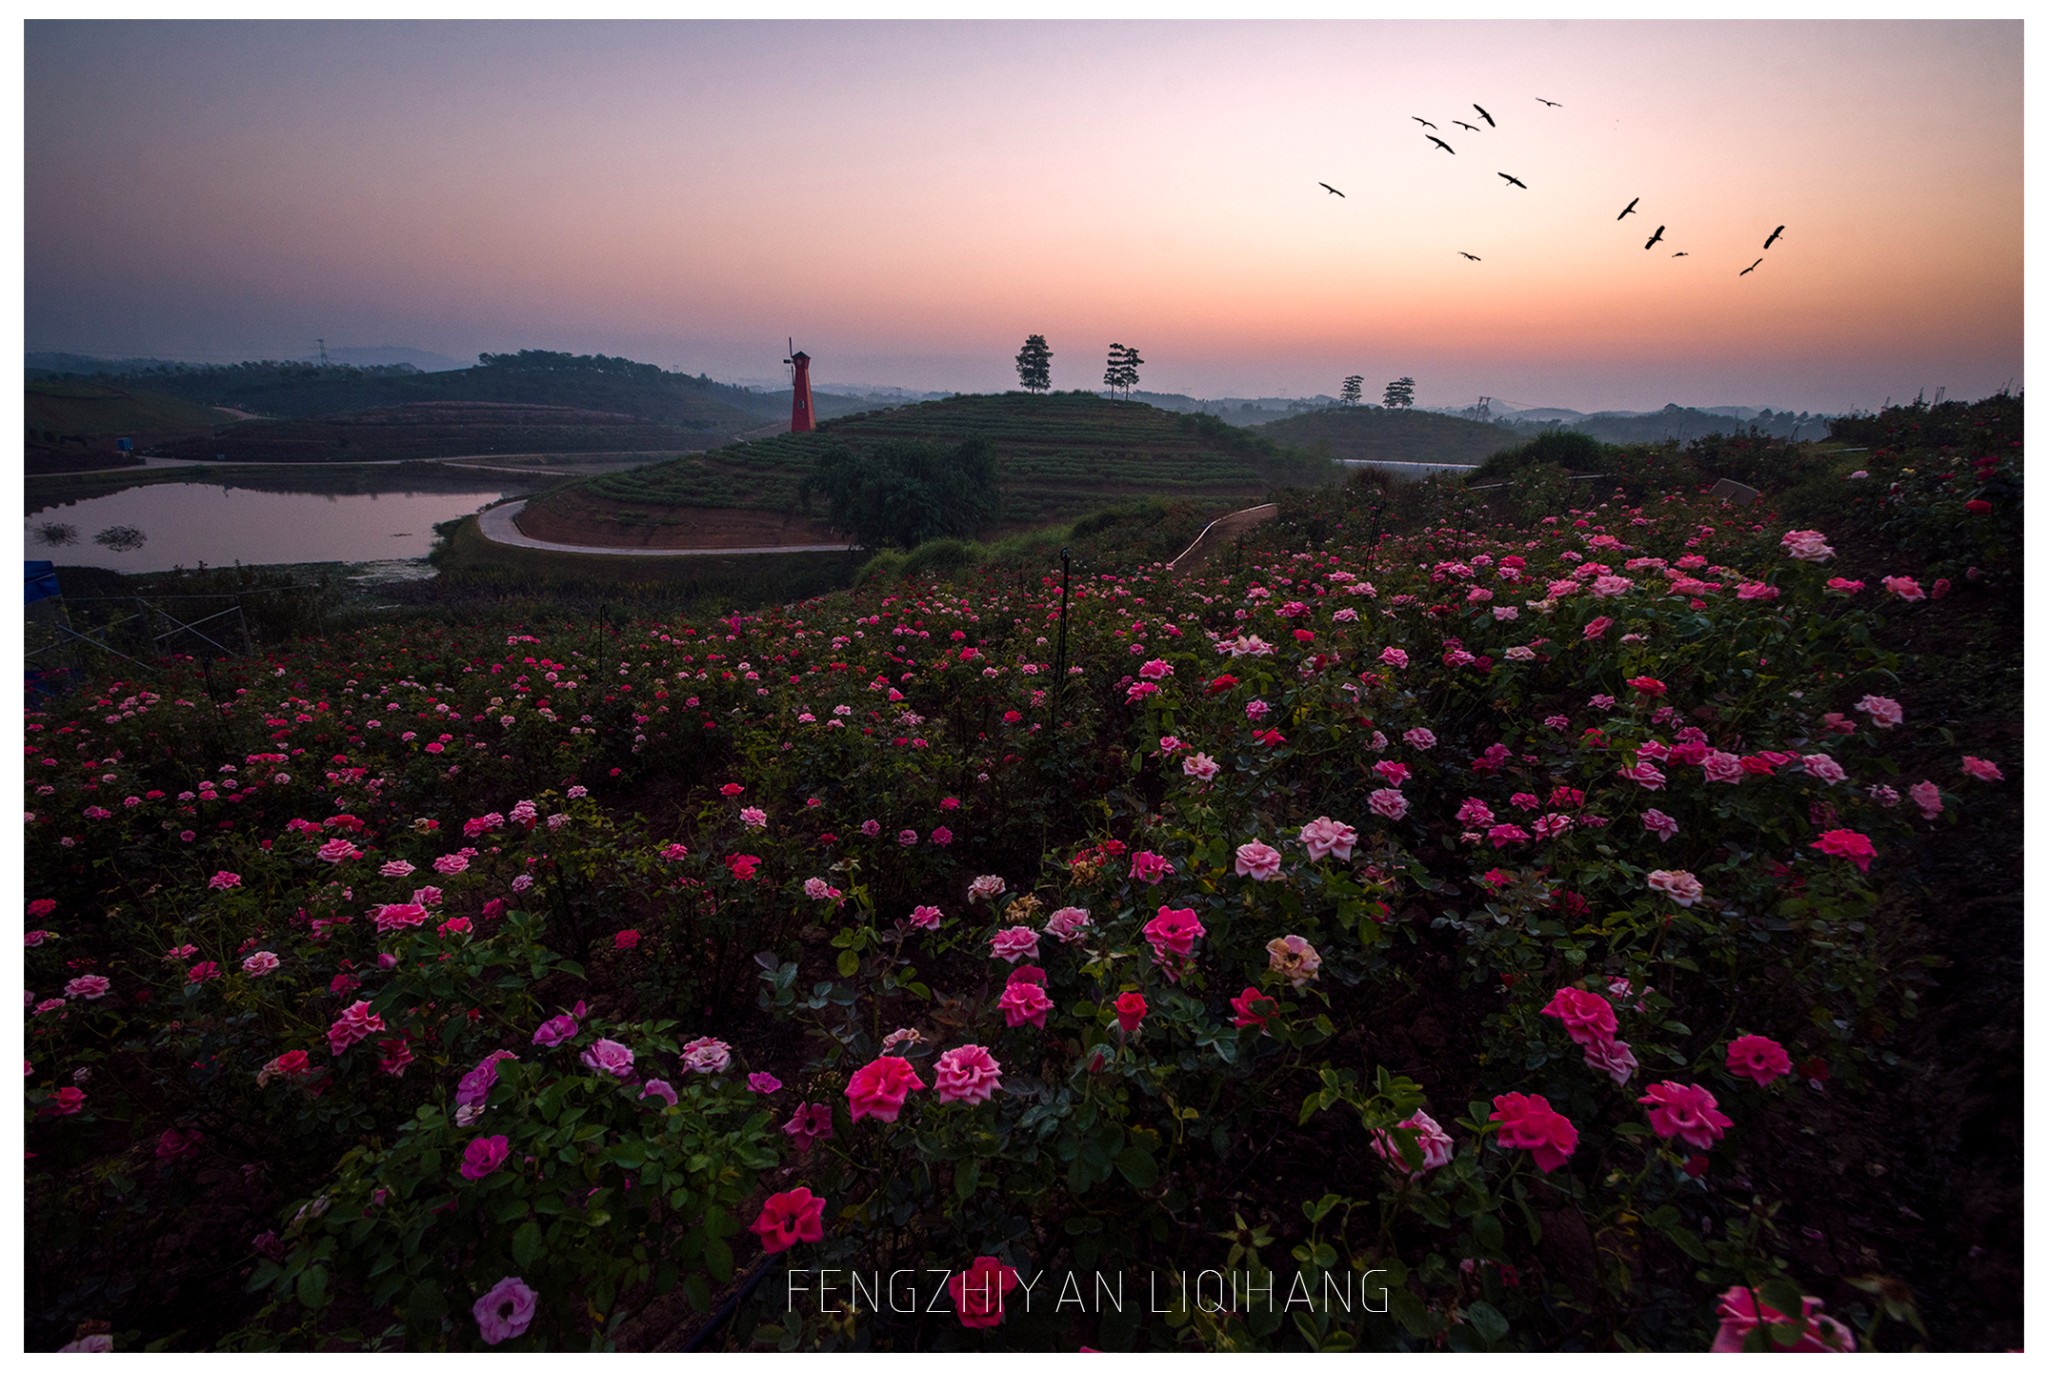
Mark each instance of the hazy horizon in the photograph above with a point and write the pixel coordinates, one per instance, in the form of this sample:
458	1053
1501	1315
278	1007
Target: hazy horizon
910	199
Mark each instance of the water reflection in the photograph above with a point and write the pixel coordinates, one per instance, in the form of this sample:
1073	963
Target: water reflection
156	528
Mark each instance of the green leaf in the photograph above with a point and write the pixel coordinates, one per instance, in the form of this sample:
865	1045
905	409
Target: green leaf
313	1288
1785	1296
718	1258
966	1178
526	1244
849	962
1138	1167
1689	1242
1489	1324
1486	1230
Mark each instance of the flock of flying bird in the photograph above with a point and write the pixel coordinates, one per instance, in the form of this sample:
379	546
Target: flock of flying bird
1626	210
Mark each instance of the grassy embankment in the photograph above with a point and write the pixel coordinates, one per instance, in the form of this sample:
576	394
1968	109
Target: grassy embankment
1061	457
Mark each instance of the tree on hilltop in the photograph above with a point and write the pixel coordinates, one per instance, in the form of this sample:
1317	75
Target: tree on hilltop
1034	364
1401	392
1353	388
1122	372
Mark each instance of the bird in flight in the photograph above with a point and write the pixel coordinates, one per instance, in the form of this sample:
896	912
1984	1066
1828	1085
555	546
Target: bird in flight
1552	103
1750	268
1653	238
1681	255
1423	122
1485	116
1332	190
1627	210
1441	144
1472	128
1462	253
1512	182
1774	235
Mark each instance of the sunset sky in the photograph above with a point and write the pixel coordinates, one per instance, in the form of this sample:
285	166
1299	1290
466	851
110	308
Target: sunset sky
910	199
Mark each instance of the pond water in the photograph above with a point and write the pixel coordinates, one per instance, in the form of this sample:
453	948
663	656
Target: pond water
186	524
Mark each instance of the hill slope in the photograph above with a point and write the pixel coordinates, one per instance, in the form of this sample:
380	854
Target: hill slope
74	424
1391	435
1060	457
292	390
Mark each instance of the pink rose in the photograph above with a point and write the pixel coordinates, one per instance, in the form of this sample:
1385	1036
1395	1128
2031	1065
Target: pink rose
880	1088
1529	1122
806	1123
1680	886
1388	803
475	1086
1759	1059
484	1156
1982	770
1847	844
1660	824
926	917
1258	861
789	1217
1587	1018
1807	545
767	1084
352	1026
1612	1057
1429	1138
1685	1111
1173	932
504	1312
1327	838
1741	1313
978	1293
707	1055
1066	923
1883	711
1149	868
1199	766
967	1074
609	1056
1905	588
1018	941
1024	1003
555	1031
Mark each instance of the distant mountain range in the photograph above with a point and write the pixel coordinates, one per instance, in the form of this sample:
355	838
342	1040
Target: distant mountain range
672	397
85	365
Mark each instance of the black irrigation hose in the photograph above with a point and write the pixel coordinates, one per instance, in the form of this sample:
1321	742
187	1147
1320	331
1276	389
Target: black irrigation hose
724	1313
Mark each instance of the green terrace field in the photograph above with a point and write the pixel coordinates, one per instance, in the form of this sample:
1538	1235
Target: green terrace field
1391	435
1061	456
442	430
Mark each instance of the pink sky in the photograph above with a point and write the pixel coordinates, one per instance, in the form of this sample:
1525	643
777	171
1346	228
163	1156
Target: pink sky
911	199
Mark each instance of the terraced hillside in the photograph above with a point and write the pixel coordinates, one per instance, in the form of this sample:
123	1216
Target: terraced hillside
1390	435
1061	456
442	429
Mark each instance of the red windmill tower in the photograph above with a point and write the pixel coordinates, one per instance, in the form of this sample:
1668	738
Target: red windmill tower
801	420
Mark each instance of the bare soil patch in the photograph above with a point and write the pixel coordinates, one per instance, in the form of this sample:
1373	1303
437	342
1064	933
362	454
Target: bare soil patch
578	518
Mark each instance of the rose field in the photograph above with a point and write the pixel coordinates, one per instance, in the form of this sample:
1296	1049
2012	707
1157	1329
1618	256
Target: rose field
1534	914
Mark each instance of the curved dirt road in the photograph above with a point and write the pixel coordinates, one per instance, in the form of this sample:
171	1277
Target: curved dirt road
496	525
